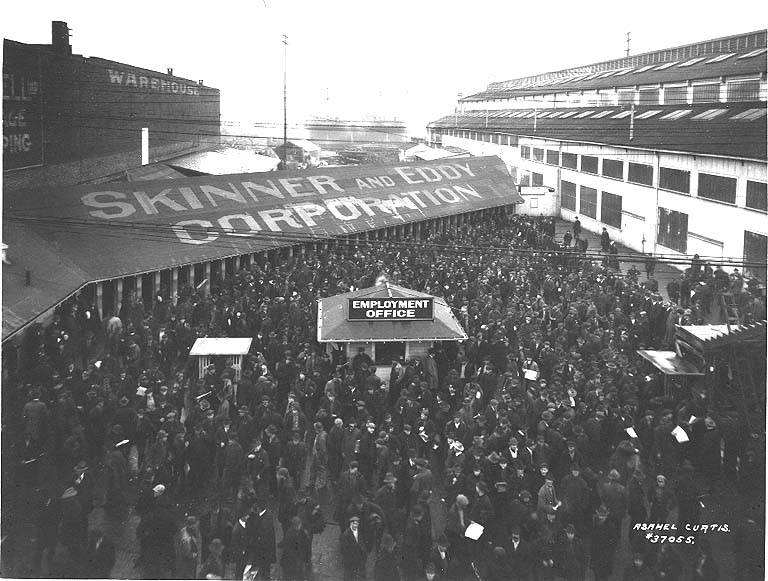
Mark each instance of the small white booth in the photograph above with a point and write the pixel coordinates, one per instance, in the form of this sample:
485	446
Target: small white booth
231	348
388	321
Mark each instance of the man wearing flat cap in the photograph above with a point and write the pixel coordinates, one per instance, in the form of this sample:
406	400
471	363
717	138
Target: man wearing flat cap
353	551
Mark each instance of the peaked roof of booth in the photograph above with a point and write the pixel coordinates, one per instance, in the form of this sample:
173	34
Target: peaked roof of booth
709	337
332	323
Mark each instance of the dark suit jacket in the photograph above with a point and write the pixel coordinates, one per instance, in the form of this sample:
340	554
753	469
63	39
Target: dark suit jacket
261	533
353	553
520	560
101	560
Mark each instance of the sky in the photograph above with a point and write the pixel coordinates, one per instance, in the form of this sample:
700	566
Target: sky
358	59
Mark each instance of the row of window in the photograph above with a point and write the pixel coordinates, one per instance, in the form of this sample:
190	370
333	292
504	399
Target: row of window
610	204
698	91
711	187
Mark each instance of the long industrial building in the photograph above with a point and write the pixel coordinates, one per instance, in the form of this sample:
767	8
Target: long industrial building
655	147
70	119
106	243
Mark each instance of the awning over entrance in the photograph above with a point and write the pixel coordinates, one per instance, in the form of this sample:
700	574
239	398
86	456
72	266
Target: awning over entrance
669	363
333	323
68	237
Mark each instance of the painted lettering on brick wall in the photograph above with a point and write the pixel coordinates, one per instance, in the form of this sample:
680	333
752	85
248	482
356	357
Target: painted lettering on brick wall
159	84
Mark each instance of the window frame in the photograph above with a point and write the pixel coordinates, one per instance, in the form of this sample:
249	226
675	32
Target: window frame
575	165
566	194
664	187
586	204
547	157
640	165
764	209
729	179
608	196
610	162
597	164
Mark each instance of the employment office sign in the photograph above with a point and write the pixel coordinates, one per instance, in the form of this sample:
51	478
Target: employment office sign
405	309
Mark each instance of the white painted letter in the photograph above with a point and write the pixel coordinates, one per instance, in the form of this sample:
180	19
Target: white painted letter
126	209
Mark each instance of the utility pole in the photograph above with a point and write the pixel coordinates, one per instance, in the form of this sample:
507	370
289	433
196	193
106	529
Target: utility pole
285	101
628	39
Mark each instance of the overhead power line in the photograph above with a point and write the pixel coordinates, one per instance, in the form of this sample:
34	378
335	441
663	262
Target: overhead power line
154	232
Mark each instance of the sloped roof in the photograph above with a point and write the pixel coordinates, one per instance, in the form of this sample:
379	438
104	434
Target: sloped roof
669	363
153	171
332	323
731	129
731	56
422	151
221	346
224	161
303	144
709	337
69	237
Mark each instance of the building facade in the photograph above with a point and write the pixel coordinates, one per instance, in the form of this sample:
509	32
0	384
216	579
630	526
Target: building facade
70	119
656	147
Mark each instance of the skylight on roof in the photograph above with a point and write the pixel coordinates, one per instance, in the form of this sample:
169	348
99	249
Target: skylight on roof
528	114
556	114
584	114
753	53
709	114
666	66
679	114
749	115
602	114
608	74
648	114
625	71
645	68
568	114
621	115
692	62
720	58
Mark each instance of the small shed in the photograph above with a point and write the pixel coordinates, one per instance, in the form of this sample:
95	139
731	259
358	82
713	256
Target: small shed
299	153
231	348
388	320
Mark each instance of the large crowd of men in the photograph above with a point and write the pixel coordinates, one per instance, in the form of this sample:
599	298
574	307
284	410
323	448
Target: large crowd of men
530	451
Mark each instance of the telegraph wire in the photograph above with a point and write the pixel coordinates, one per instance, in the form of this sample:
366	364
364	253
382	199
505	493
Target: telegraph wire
148	231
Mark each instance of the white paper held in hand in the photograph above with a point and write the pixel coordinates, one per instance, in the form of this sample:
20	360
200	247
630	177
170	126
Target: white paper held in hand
474	531
680	435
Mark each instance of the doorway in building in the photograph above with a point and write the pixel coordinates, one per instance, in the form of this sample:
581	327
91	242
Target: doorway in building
388	352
